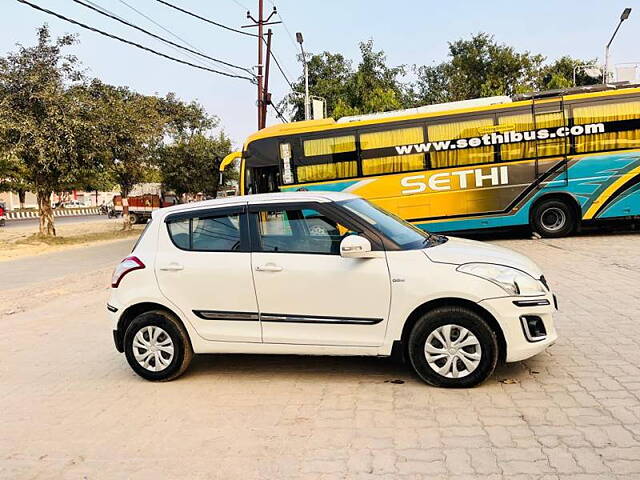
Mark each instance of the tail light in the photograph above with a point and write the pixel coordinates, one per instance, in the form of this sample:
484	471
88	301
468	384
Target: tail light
127	265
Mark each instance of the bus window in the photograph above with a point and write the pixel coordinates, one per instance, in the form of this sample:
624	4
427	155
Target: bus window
376	146
328	159
442	136
523	123
622	134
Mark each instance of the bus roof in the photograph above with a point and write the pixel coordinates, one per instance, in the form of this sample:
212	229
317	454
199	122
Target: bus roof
466	106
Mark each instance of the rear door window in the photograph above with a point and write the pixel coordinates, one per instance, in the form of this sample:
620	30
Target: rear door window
209	231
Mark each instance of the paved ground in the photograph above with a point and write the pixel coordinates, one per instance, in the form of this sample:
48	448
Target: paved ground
49	266
70	407
19	223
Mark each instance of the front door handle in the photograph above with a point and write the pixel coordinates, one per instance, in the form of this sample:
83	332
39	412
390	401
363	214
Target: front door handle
172	267
269	267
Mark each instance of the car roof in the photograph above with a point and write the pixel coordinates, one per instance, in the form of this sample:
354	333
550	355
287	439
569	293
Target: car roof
259	198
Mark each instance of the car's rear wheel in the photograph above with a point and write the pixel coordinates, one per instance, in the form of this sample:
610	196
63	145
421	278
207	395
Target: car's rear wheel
157	347
452	347
553	218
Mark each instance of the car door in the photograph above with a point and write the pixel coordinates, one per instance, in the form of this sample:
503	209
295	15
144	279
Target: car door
307	293
203	265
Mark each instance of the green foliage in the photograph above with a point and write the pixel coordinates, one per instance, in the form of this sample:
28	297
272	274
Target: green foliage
371	87
560	73
130	127
191	164
44	121
476	67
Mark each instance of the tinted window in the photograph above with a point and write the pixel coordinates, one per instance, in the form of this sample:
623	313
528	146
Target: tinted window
620	121
400	232
215	233
299	231
211	233
464	135
379	153
179	232
328	159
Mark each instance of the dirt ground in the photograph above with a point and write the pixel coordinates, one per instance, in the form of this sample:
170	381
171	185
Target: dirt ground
21	241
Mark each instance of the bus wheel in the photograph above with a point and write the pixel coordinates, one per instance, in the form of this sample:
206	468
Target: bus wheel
553	218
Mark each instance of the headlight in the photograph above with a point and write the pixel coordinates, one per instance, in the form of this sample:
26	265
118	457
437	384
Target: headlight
511	280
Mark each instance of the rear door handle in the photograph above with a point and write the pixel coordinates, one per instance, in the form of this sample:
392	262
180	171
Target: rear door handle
269	267
172	267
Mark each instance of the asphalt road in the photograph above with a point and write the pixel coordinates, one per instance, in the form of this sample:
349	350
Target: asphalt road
10	224
23	272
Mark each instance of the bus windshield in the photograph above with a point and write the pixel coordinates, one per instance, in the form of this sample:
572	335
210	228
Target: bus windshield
402	233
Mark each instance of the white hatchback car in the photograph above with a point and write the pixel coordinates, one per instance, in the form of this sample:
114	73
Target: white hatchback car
319	273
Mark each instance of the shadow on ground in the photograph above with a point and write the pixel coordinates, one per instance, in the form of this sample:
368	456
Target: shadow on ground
330	369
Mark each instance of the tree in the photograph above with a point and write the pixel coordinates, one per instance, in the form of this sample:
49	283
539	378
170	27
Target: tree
371	87
130	130
560	74
13	175
45	121
191	165
480	67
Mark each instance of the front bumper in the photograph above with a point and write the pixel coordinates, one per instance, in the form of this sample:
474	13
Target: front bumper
509	311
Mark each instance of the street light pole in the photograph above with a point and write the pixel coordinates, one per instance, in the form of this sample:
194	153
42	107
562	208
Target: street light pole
307	103
605	74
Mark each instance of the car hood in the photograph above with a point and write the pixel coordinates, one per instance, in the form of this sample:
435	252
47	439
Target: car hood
457	251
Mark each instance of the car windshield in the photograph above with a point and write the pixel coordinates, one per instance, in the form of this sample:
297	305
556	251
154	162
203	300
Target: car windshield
401	232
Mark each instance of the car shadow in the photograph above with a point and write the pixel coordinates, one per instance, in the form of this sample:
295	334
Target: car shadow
333	369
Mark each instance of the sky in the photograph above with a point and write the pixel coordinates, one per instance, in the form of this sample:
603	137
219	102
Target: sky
408	31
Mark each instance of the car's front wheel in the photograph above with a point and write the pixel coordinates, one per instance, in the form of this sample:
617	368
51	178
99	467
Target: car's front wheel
453	347
157	347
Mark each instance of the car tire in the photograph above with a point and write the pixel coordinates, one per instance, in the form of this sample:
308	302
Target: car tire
553	219
445	364
157	346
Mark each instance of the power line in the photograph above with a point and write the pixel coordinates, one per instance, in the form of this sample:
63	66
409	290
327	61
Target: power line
281	70
199	17
199	60
129	42
284	24
244	7
280	116
158	37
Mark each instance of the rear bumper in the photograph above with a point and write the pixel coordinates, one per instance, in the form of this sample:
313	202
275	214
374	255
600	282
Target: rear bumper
113	311
509	316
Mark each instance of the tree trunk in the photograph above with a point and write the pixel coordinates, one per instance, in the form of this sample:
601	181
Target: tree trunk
45	211
126	221
22	196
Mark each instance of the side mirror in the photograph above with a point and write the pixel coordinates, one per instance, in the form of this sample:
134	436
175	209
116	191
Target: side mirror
355	246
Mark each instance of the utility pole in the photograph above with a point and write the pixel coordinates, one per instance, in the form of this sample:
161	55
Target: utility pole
266	98
307	101
260	23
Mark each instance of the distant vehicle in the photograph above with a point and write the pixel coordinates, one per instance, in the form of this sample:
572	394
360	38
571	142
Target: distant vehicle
141	206
3	216
551	160
321	273
72	204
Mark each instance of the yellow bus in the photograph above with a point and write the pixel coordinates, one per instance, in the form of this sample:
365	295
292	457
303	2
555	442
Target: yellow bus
552	160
